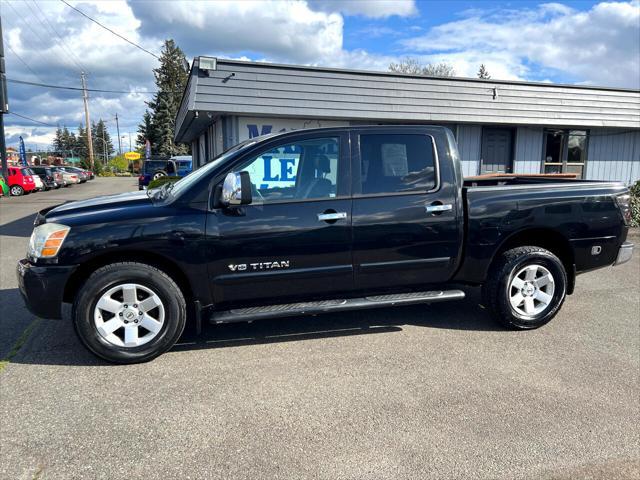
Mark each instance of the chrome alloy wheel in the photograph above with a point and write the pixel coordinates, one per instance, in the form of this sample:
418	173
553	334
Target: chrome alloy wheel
129	315
531	290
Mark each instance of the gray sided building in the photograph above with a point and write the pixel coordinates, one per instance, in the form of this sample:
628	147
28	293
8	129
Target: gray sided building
501	126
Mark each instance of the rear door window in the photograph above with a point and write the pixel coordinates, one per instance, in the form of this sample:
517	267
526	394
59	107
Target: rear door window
393	163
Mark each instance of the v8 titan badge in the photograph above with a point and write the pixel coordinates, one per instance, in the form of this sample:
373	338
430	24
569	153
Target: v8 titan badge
243	267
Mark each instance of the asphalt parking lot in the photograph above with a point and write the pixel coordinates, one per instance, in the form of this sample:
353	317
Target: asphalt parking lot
415	392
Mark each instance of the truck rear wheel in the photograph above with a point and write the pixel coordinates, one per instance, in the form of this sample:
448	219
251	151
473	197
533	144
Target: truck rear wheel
129	312
526	287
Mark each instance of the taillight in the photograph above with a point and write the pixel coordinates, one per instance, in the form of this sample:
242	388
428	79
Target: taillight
141	178
624	204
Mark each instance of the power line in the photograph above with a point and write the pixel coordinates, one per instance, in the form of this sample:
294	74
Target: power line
97	90
61	87
31	119
109	30
23	62
62	44
34	32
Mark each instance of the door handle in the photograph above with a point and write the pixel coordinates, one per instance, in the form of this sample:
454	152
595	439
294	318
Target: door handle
438	208
328	217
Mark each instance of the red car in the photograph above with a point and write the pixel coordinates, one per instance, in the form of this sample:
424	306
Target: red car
20	181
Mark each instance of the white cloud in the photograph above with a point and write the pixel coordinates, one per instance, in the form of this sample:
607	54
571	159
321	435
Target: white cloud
367	8
282	30
599	46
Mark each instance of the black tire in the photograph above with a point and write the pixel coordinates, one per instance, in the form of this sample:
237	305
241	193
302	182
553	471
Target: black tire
16	190
497	290
112	275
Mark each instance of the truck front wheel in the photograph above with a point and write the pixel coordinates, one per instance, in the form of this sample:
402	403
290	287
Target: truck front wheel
526	287
129	312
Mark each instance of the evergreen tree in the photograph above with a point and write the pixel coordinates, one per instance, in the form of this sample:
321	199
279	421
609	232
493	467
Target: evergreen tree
68	143
146	131
58	141
483	73
102	145
82	146
171	78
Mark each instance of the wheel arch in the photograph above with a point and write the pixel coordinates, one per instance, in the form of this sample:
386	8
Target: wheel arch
546	238
169	267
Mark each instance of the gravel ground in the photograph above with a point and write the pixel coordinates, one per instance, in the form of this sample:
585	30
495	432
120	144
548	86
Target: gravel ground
415	392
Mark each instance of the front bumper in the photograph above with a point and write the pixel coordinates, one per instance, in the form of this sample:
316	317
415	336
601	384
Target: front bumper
624	253
42	287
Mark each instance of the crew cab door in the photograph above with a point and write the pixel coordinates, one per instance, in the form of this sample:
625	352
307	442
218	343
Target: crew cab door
294	239
406	231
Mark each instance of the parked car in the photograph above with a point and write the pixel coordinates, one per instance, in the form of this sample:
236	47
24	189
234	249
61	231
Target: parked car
58	177
46	175
178	166
315	221
21	181
83	175
68	177
37	180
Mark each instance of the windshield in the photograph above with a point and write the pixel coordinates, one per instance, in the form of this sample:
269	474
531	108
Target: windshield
182	185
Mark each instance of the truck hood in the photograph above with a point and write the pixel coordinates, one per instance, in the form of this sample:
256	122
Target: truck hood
98	203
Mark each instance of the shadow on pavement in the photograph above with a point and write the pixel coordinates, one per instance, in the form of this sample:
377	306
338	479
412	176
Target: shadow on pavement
58	344
21	227
14	318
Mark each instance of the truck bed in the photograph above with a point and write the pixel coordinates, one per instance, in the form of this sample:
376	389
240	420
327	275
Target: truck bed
518	179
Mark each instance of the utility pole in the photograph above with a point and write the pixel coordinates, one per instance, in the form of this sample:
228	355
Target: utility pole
119	142
4	108
85	97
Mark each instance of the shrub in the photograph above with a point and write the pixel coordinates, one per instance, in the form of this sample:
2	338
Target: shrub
119	164
635	204
107	173
158	182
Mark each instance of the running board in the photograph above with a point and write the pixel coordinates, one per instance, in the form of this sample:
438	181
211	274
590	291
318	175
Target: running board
325	306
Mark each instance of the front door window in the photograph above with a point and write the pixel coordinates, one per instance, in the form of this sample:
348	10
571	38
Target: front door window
303	170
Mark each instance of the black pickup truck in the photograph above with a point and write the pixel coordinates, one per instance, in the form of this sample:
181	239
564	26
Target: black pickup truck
315	221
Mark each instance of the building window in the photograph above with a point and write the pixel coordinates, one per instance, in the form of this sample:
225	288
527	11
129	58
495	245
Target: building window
565	151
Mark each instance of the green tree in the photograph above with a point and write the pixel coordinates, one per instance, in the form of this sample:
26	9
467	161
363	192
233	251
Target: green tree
412	66
119	163
102	145
171	79
58	141
82	145
483	73
68	143
146	131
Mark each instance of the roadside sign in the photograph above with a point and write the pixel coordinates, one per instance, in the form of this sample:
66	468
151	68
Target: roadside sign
132	155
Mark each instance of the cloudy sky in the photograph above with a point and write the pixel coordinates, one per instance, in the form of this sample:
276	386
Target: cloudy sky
583	42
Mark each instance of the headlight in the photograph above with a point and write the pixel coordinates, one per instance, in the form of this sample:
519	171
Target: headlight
46	240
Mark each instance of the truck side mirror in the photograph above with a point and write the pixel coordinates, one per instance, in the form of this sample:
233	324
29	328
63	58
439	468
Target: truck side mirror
236	189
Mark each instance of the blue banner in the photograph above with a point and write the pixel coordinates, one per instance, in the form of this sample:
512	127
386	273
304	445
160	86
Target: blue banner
147	149
23	153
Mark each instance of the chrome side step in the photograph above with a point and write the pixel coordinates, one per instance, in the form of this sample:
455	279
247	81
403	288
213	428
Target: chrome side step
324	306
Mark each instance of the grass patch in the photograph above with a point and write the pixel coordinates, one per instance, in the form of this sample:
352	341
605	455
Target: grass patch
24	336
